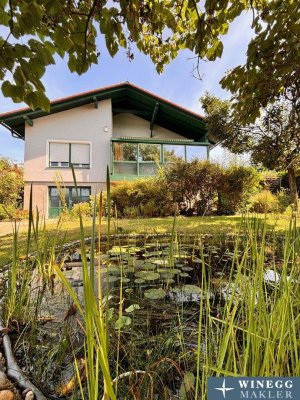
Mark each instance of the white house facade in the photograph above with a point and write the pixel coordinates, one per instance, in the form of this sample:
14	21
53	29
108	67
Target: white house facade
121	126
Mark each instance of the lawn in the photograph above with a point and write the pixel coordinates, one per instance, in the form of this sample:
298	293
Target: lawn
189	225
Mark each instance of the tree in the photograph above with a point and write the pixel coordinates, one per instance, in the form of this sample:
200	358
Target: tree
11	183
38	30
274	139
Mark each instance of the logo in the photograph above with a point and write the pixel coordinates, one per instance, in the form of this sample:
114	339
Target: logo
224	389
253	388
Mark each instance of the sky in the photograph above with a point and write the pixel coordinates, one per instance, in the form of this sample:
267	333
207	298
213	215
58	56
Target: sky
176	83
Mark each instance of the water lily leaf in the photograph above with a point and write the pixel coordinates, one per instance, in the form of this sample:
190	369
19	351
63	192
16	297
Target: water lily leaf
139	280
155	294
110	279
167	275
169	280
187	269
191	289
125	280
129	290
184	275
132	308
147	275
122	321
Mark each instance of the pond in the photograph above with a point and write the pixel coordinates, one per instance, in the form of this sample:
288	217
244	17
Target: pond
163	299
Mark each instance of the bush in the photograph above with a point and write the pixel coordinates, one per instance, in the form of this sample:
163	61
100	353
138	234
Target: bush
194	185
83	208
238	184
143	198
264	202
284	200
10	213
11	183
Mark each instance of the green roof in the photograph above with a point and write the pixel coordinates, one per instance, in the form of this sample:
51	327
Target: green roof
125	97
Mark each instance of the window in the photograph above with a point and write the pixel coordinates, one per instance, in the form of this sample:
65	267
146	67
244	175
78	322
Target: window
196	152
173	153
63	154
66	197
143	159
125	158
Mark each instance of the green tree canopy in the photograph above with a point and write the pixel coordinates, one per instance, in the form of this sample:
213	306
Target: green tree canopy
36	31
11	182
273	140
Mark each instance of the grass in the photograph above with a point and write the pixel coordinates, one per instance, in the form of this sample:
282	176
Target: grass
189	225
253	331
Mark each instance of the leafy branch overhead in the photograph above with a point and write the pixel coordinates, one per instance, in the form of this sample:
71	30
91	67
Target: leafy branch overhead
35	32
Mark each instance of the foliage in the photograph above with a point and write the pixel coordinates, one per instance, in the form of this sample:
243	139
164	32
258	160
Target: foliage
264	202
11	213
37	31
143	197
194	183
283	200
272	67
274	140
237	185
11	182
81	208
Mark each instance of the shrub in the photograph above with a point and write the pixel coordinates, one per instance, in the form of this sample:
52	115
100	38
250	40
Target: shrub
143	198
194	184
238	184
83	208
10	213
264	202
284	200
11	183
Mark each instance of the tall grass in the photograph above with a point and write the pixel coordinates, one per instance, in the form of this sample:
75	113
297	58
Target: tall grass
253	331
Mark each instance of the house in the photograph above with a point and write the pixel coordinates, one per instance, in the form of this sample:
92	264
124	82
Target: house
121	126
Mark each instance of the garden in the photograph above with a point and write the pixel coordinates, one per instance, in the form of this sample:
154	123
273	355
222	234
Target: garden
120	298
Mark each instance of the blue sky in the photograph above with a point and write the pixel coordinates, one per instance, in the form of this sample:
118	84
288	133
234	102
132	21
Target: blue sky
176	83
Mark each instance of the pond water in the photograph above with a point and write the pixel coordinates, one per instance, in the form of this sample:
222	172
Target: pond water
163	284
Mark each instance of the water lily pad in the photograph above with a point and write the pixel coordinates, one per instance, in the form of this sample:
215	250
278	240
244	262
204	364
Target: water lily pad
160	262
148	266
184	275
191	289
110	279
169	281
129	290
139	280
147	275
155	294
167	275
125	280
187	269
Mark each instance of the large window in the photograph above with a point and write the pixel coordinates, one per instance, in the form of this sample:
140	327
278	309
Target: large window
66	197
143	159
62	155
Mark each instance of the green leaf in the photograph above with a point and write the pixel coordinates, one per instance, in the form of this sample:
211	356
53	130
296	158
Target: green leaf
122	322
132	308
187	385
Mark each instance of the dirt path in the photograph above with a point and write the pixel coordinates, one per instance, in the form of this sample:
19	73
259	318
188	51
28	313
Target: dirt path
6	227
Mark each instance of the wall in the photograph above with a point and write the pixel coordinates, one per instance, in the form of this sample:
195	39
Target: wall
85	123
131	125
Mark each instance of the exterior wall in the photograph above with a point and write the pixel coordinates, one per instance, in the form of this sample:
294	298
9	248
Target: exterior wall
82	124
130	125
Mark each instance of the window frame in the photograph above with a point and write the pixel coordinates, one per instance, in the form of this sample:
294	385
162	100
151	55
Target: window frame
57	210
161	143
69	142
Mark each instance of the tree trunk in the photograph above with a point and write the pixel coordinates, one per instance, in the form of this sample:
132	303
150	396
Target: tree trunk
293	186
